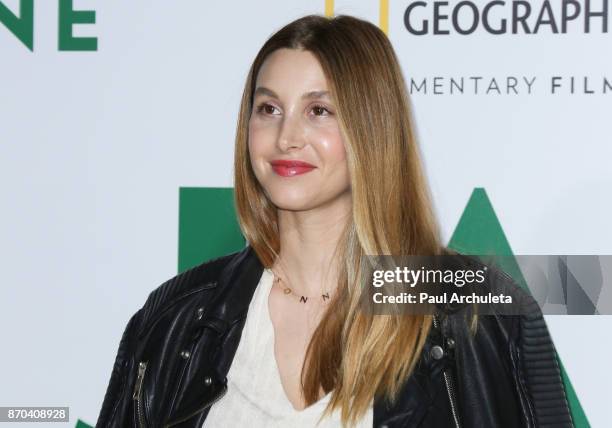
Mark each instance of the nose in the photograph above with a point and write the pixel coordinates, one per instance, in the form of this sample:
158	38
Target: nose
291	134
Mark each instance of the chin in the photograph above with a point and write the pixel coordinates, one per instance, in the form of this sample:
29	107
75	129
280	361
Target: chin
292	202
292	205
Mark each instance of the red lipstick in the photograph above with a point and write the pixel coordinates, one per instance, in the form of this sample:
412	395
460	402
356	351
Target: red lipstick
289	168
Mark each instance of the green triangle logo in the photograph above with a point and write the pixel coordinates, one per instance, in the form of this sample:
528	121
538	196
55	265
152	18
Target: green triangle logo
479	232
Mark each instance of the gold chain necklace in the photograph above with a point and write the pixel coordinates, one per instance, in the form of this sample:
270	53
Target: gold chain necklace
302	299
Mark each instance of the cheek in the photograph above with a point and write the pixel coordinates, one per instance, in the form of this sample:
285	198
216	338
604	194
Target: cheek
332	150
331	147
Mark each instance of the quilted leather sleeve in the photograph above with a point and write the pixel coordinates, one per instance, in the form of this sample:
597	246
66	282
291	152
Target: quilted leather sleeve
539	381
112	413
536	372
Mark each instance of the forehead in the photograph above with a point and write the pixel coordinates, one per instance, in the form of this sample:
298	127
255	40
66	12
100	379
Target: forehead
292	70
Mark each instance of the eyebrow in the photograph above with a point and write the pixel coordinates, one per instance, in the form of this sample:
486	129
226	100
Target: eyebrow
262	90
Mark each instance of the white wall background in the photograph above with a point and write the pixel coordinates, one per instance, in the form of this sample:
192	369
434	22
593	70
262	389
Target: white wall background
94	146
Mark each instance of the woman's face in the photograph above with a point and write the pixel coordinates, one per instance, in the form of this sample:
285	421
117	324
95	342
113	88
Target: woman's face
293	118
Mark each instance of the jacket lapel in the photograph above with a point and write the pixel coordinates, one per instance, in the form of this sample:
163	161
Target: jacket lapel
203	380
237	284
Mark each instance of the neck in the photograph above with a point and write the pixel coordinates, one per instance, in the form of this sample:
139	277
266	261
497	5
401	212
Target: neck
308	240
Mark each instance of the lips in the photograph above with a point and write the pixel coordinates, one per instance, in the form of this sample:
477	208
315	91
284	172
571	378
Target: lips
290	168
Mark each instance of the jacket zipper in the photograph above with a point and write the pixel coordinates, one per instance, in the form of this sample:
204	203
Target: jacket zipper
137	396
448	381
450	388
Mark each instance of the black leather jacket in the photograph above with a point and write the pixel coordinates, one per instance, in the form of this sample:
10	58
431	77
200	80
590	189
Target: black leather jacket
176	351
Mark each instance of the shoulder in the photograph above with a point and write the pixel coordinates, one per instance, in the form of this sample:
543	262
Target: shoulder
508	355
200	278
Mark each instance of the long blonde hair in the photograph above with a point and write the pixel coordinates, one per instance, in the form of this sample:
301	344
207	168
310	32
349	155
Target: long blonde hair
352	354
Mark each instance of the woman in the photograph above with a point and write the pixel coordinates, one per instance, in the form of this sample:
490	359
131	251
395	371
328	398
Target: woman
326	170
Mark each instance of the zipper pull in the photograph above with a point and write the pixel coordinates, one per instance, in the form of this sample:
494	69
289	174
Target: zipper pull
142	366
137	396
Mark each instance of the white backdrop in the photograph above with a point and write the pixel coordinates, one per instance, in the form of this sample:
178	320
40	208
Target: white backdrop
94	146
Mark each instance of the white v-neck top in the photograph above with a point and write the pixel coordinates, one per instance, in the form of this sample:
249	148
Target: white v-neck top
255	397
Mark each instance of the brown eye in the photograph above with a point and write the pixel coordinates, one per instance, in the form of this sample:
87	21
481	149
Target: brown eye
266	109
320	111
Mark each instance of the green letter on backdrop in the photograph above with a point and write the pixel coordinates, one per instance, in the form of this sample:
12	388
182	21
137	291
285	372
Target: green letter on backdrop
22	27
67	18
208	227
